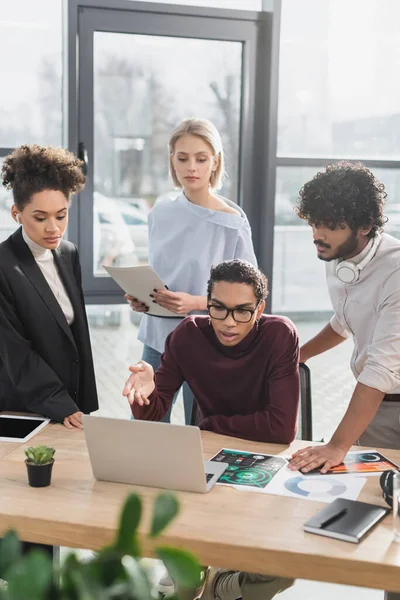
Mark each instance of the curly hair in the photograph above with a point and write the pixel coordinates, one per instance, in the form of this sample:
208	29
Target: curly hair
239	271
31	169
345	193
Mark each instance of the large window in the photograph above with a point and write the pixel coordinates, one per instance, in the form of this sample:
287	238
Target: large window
337	99
30	72
7	223
140	74
338	95
31	83
296	269
226	4
139	97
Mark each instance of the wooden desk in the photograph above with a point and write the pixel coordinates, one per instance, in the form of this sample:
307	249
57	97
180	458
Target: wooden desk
226	527
6	448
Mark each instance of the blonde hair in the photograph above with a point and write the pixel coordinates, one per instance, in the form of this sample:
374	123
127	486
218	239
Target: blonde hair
205	130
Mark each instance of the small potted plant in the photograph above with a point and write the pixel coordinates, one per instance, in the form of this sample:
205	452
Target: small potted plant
39	462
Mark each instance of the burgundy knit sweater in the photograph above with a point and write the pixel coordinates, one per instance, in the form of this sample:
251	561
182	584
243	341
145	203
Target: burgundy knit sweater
250	390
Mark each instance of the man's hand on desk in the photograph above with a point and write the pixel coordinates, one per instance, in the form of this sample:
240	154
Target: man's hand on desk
74	421
312	457
140	384
364	403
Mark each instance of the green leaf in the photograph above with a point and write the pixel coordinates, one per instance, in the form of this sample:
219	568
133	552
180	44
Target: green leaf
80	581
67	583
181	565
87	587
39	455
107	566
139	581
10	551
126	541
31	577
165	509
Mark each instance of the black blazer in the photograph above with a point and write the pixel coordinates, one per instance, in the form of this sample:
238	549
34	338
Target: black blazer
46	366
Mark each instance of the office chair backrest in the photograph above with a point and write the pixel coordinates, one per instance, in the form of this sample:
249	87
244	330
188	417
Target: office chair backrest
195	416
305	415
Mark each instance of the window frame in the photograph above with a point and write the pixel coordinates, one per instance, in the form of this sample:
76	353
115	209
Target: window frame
253	29
288	160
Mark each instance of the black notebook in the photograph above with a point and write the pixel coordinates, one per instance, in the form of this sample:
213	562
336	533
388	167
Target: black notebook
347	520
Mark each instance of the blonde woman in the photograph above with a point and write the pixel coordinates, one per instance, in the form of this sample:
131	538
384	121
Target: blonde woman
188	234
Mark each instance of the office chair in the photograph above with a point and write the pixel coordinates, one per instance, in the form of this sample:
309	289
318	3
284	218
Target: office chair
305	416
194	417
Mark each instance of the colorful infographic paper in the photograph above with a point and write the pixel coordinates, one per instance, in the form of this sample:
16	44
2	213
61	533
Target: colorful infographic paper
249	470
370	462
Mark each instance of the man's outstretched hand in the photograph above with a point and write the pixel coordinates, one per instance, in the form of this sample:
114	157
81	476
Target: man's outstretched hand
312	457
140	384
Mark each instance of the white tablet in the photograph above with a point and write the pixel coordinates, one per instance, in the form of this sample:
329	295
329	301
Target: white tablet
16	428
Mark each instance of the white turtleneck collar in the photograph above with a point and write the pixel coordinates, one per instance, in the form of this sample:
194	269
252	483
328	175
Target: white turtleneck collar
45	260
39	253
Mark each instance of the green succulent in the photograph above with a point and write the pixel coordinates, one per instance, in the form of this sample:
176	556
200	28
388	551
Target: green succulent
39	455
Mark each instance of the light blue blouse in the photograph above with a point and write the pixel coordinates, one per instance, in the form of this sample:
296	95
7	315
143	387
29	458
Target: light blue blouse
185	240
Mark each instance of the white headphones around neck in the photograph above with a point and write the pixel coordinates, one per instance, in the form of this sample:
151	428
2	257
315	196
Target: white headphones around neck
348	271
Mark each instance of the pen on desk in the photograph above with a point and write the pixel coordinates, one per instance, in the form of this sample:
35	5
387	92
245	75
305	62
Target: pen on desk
333	518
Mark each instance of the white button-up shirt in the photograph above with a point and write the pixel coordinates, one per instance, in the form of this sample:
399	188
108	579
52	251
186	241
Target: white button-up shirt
369	311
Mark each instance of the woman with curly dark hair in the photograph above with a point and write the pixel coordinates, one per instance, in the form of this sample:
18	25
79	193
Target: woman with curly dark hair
344	206
46	363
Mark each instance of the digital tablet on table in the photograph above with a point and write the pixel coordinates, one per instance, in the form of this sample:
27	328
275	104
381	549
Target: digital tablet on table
20	428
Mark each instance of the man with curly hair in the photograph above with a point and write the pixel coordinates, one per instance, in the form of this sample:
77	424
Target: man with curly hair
344	206
242	367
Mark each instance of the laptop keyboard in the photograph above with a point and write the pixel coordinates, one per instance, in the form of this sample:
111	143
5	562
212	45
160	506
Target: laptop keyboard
209	476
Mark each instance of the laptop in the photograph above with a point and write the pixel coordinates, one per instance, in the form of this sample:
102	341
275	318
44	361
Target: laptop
149	453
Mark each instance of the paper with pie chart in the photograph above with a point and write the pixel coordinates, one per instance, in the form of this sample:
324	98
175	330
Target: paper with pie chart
248	470
316	487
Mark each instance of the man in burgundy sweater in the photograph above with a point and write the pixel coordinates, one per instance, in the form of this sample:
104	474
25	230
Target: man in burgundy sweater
241	365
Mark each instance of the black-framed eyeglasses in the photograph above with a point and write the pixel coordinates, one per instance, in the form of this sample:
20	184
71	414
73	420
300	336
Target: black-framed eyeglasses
240	315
